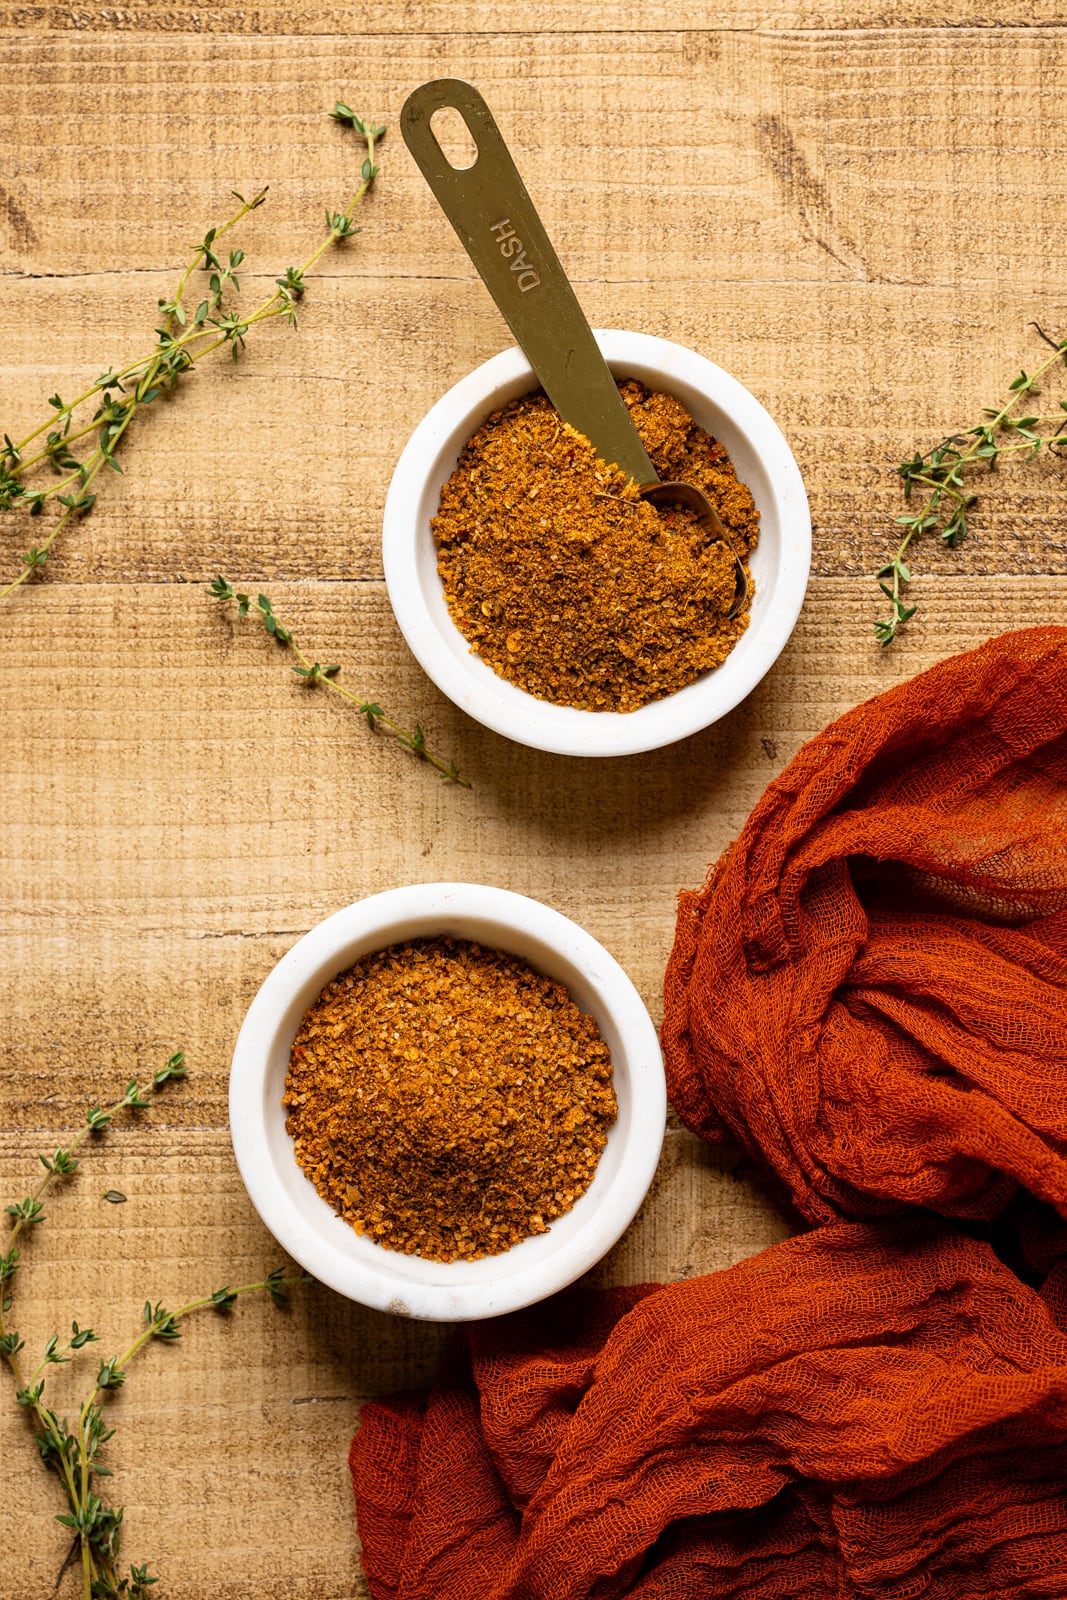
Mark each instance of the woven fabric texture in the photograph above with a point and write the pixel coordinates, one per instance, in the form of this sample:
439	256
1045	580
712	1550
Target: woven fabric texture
869	1410
870	990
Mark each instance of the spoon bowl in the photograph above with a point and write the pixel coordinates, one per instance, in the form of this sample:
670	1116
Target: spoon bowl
690	498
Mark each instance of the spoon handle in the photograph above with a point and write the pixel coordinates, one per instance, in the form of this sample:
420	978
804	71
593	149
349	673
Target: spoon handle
488	206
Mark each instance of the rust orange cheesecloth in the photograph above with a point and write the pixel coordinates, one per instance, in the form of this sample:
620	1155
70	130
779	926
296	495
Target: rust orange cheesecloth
869	994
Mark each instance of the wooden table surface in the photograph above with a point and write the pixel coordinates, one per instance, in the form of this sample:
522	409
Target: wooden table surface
856	211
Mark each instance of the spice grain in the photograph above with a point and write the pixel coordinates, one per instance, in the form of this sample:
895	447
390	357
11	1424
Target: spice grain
568	584
447	1100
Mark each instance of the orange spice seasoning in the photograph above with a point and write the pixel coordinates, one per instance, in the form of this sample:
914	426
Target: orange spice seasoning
447	1100
570	586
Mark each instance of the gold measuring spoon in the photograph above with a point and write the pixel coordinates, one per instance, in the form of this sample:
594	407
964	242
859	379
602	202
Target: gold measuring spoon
494	217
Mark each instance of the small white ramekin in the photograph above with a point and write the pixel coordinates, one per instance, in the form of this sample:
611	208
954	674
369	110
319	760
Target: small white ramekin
780	564
305	1225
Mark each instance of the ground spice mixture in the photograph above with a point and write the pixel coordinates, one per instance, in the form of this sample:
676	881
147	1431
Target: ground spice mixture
570	586
447	1100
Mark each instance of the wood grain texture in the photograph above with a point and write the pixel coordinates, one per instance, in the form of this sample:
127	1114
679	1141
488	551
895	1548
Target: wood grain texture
443	18
848	207
907	157
192	820
177	812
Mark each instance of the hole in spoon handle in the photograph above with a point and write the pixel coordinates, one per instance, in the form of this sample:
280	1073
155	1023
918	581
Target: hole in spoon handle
495	220
453	138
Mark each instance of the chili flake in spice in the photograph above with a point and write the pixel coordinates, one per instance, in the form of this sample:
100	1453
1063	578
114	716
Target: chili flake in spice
569	585
447	1100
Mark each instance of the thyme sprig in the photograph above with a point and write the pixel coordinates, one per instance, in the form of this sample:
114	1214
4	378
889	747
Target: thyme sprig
73	1449
940	477
312	674
186	335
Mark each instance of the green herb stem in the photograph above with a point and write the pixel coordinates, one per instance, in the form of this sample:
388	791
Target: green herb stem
181	345
940	473
246	206
101	1118
160	1322
410	741
39	554
313	674
137	366
62	1164
75	1454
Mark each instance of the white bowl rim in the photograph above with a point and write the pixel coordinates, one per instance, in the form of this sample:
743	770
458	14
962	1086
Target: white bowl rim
317	957
566	730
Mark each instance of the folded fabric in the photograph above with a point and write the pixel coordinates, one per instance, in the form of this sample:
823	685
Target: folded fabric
869	992
872	1409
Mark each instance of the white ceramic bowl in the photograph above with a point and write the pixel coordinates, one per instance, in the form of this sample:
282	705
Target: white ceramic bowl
780	563
305	1225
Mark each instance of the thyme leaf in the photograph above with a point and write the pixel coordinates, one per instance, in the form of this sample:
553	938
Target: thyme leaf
312	673
937	481
73	1450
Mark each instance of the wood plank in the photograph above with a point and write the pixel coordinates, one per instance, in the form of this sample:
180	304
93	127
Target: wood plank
767	157
557	17
869	271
